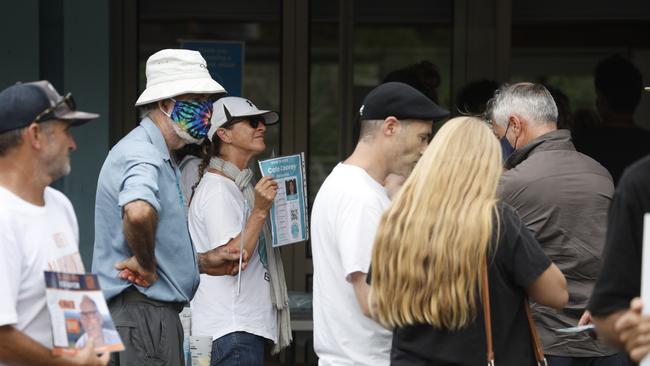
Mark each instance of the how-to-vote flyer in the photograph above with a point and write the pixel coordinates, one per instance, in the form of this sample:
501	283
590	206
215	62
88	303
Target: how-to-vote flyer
289	222
78	313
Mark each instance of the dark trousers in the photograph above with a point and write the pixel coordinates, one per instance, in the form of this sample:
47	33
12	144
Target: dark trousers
619	359
150	330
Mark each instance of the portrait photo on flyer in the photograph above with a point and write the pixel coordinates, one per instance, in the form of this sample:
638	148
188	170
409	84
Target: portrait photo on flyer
289	222
78	312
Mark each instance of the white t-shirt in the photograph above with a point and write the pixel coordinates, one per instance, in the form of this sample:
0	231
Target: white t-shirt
34	239
215	217
345	217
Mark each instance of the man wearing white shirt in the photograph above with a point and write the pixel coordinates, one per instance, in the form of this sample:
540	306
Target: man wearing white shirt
396	122
38	227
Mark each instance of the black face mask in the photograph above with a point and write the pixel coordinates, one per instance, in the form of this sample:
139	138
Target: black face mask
506	148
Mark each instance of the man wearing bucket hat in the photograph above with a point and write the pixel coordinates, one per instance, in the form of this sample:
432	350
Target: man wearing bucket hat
38	227
144	258
396	122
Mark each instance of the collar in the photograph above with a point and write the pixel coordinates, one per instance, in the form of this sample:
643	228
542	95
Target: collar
554	140
156	137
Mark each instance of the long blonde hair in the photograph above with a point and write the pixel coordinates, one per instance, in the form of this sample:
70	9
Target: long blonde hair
433	239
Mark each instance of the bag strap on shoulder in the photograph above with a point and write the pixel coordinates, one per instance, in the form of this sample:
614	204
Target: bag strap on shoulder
485	296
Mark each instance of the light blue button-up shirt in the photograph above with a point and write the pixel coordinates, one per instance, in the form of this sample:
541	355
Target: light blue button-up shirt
139	167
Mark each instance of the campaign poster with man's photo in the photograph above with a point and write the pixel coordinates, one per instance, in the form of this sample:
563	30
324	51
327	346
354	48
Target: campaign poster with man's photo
289	222
79	313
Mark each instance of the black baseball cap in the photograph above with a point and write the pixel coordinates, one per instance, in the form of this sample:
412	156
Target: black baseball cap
401	101
37	101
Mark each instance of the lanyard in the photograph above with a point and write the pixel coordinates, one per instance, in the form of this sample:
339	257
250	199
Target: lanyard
178	184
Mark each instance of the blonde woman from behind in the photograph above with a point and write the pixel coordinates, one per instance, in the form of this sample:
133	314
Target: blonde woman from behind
429	249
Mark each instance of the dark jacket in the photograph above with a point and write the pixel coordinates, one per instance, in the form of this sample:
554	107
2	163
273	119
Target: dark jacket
562	196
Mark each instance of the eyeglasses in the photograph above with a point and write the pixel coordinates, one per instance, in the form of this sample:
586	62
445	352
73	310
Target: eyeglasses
88	314
67	99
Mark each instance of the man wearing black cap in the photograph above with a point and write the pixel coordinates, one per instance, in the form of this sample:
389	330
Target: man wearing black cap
38	227
396	123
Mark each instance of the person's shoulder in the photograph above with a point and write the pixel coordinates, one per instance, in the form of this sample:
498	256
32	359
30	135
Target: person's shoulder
506	213
11	209
190	163
508	222
636	175
592	164
5	198
5	209
136	145
218	181
640	168
217	187
54	196
354	180
347	190
61	205
516	177
508	230
134	137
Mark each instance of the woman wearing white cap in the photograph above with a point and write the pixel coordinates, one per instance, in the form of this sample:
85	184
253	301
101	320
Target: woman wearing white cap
239	323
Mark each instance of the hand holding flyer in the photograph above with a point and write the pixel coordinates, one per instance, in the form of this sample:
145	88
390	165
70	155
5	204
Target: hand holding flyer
289	222
79	314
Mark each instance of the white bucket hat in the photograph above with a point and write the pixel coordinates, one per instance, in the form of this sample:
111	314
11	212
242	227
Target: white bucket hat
174	72
233	108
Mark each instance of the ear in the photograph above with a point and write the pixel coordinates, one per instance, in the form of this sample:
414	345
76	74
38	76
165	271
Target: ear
390	127
224	135
517	124
166	105
34	135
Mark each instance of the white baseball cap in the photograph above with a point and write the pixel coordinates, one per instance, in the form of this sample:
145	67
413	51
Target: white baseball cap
173	72
229	109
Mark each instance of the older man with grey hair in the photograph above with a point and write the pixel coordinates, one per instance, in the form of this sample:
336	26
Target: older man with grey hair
562	196
144	258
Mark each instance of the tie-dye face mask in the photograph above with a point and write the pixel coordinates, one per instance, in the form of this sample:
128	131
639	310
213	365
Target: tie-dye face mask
192	117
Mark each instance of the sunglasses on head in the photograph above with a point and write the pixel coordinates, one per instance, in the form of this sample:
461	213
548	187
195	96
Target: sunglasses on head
67	99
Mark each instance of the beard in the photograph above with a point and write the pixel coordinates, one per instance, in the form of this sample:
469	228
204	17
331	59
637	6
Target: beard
56	163
60	170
